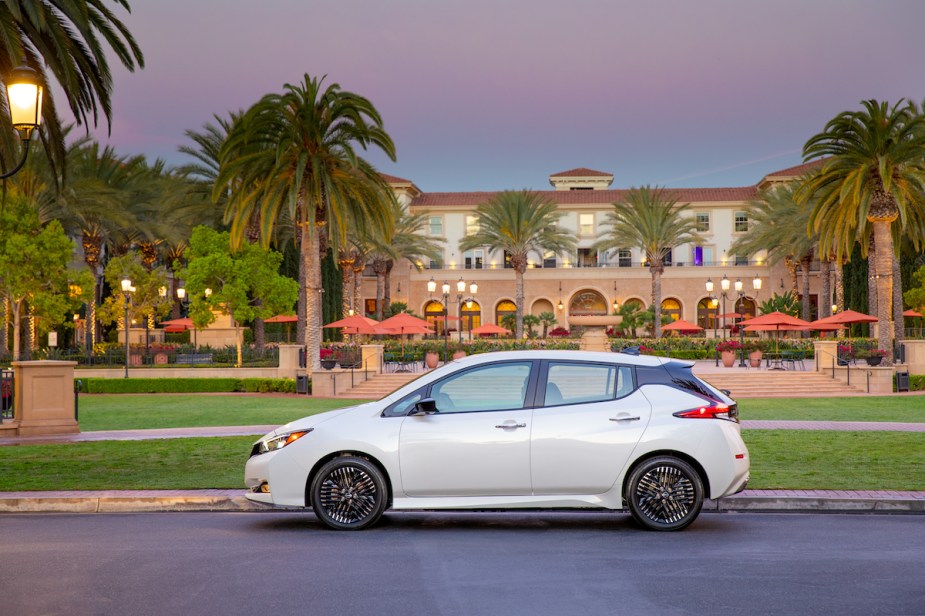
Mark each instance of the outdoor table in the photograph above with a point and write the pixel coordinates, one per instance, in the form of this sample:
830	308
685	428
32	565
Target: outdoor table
774	361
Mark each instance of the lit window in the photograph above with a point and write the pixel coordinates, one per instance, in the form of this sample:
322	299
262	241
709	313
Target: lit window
474	259
472	225
624	258
586	224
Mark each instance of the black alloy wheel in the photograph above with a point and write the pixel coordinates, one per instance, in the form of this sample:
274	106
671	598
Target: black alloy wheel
349	493
665	493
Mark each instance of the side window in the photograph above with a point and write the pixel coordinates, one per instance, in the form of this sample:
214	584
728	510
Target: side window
574	383
499	387
403	406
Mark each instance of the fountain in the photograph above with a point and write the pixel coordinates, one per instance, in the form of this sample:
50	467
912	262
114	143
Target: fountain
595	327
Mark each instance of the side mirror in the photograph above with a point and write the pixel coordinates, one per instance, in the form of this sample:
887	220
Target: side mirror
427	406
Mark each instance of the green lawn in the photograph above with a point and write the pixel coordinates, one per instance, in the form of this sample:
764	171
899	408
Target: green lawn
793	459
135	412
910	409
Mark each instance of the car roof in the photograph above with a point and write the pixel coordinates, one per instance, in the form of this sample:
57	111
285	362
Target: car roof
588	356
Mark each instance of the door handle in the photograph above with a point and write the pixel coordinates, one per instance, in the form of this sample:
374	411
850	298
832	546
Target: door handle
625	418
511	425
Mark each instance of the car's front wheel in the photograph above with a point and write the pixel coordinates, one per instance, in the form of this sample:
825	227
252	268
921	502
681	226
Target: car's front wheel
665	493
349	493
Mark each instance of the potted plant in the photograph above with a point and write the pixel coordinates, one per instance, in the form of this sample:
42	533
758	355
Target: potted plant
727	350
754	353
873	357
327	359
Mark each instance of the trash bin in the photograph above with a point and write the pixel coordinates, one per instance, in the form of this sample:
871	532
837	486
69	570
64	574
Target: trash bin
301	384
902	381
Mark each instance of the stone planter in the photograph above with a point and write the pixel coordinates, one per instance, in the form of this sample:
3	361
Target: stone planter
458	355
328	364
754	359
729	358
431	359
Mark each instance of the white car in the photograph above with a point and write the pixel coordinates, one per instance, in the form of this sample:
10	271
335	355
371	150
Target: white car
518	429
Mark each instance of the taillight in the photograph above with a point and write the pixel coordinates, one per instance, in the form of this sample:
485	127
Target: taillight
712	410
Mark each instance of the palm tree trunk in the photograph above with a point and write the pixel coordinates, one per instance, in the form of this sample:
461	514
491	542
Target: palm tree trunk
804	266
387	296
310	250
358	307
4	329
346	288
301	306
825	291
792	268
519	302
898	322
380	294
656	297
840	290
871	278
884	280
15	308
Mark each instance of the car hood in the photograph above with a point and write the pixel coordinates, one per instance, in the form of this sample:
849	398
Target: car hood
313	420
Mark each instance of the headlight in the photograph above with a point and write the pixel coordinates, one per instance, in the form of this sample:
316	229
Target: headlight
278	442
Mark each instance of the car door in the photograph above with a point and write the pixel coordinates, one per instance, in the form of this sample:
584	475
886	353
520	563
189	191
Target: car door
591	418
478	441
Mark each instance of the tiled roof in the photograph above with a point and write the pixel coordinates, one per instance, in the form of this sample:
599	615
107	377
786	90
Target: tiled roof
797	170
582	172
391	179
588	197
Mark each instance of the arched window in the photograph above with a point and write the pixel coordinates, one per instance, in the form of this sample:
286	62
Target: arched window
746	307
672	308
432	310
471	316
706	313
588	302
505	307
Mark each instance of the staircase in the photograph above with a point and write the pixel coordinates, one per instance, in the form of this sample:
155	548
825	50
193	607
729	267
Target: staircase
378	386
788	384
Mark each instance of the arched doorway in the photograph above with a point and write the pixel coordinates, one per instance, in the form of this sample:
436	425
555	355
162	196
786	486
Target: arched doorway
504	308
672	308
588	302
746	306
542	305
706	313
432	310
471	316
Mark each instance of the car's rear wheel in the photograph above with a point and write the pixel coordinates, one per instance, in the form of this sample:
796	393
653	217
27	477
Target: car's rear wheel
349	493
665	493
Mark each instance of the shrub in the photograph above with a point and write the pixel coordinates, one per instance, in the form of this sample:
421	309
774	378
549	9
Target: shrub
181	385
728	345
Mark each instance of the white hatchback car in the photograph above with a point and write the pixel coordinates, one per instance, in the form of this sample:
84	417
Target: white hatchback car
519	429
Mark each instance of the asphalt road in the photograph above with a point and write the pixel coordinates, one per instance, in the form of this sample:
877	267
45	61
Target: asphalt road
460	563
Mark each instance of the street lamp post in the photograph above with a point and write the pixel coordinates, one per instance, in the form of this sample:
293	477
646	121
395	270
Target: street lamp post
460	298
184	304
714	302
756	288
446	320
24	97
127	290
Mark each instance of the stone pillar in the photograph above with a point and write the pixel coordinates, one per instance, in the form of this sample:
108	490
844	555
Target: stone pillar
45	397
289	361
915	356
372	355
826	352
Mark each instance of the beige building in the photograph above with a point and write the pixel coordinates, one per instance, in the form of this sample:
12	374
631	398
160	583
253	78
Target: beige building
588	282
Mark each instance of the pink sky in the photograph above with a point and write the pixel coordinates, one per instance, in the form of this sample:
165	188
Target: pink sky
495	94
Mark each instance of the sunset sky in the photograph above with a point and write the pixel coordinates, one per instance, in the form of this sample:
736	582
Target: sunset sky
496	94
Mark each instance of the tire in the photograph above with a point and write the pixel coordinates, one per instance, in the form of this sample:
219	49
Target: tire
664	493
349	493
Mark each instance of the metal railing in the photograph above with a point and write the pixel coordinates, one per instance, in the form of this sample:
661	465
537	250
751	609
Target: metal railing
841	362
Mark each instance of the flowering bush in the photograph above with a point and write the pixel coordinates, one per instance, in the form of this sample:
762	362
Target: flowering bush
728	345
865	353
846	351
558	332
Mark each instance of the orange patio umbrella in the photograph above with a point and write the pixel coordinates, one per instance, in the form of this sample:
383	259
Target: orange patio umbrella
776	322
846	317
911	313
282	318
404	323
682	326
490	328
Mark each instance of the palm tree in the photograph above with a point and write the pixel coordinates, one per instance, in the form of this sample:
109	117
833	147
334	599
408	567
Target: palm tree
70	40
875	174
778	225
649	219
518	223
547	320
295	154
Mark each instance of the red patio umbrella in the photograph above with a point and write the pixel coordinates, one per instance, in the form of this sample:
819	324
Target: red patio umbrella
777	322
682	326
282	318
846	317
911	313
355	320
185	323
490	328
404	323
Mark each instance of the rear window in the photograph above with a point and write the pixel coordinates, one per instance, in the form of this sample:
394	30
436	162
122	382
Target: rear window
673	374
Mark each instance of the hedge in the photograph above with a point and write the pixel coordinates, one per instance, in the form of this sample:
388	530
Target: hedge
180	385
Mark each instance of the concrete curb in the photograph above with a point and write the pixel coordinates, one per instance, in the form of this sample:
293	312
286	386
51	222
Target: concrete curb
144	503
